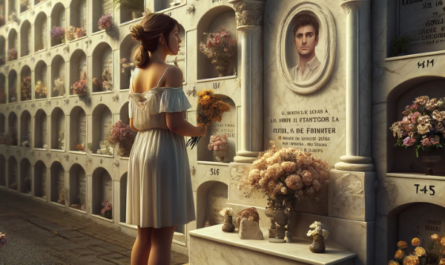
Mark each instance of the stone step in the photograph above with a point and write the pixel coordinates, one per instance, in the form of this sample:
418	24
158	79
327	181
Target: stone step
210	245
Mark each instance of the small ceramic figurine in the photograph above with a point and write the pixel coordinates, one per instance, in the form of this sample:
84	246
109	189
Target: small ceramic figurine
318	236
228	226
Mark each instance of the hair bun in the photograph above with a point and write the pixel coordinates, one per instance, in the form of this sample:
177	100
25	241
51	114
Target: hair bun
137	31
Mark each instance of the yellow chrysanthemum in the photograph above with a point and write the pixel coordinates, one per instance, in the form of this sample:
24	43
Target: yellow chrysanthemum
435	237
399	254
392	262
415	242
411	260
402	244
420	251
442	241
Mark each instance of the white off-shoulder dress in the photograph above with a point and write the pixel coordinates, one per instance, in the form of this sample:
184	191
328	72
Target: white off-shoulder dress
159	189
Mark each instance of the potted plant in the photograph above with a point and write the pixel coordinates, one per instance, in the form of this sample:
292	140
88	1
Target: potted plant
399	45
58	33
220	146
105	22
135	6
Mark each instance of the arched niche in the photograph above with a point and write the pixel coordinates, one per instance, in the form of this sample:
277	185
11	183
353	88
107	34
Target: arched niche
212	198
2	124
2	89
12	128
128	15
123	198
12	173
78	129
400	159
57	183
40	172
123	114
102	61
78	67
40	31
12	86
25	176
2	171
26	39
78	13
102	122
78	187
58	129
12	45
41	80
24	5
25	129
58	71
12	7
36	2
25	84
212	22
2	50
40	129
126	50
100	8
179	59
58	20
160	5
102	190
228	126
2	13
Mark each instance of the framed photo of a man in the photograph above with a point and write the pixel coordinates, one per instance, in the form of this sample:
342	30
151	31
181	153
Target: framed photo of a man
306	47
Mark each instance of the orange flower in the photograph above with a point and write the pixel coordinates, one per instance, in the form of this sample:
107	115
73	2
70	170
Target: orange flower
415	242
411	260
402	244
399	254
442	241
435	237
442	261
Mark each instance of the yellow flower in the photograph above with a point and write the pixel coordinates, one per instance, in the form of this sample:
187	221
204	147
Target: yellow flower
402	244
442	241
415	242
392	262
411	260
435	237
442	261
399	254
420	251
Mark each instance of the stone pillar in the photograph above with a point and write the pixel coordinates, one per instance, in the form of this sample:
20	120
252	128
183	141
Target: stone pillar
358	87
249	19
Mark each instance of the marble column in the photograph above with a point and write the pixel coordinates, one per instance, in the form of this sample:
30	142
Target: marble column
358	87
249	19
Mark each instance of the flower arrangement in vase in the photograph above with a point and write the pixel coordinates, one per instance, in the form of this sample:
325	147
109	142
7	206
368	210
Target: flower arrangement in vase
74	33
25	89
127	64
106	83
105	22
422	128
318	234
12	54
79	147
219	47
220	146
227	213
210	109
106	210
121	133
59	87
105	148
58	33
40	90
434	254
79	87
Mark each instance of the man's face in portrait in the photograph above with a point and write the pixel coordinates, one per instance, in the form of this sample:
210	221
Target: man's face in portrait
305	41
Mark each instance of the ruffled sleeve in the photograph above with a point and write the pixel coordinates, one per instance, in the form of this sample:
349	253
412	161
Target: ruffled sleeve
174	100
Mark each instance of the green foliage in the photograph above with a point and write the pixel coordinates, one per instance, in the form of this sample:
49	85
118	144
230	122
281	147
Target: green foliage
399	45
129	4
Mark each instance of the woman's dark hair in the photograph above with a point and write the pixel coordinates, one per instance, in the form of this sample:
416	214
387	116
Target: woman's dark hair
148	33
306	20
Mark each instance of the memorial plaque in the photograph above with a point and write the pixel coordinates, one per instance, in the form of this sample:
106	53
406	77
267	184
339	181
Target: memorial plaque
421	220
423	22
44	28
82	66
106	121
82	129
217	200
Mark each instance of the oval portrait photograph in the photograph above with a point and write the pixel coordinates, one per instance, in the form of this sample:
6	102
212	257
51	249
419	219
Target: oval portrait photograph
306	47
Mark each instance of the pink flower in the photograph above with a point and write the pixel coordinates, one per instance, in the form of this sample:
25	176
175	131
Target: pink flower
414	116
426	142
408	141
406	119
435	139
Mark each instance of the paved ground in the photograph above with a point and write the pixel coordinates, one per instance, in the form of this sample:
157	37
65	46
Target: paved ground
39	234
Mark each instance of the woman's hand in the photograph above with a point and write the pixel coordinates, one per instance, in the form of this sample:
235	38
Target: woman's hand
203	129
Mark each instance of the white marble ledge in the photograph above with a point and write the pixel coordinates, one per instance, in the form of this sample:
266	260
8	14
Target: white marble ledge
411	175
298	251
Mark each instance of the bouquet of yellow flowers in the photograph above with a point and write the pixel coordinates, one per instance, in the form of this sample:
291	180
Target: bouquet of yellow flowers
210	109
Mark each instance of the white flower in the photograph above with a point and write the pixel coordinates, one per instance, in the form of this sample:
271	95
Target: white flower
284	190
310	232
325	233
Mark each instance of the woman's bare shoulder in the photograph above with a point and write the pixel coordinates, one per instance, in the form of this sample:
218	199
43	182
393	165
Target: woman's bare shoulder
173	77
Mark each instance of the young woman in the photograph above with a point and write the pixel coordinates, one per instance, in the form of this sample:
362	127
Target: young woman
159	191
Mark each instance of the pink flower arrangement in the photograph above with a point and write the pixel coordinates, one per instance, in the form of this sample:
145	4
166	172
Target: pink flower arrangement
75	33
422	125
12	54
218	143
105	22
121	133
58	33
219	45
79	87
286	175
106	210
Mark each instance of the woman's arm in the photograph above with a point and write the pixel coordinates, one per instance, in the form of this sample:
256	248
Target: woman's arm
131	125
177	124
